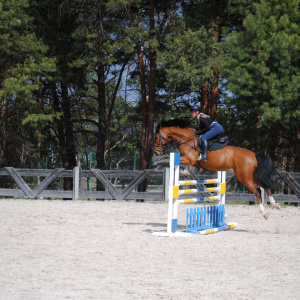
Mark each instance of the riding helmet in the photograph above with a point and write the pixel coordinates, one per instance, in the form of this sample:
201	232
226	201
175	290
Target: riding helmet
195	108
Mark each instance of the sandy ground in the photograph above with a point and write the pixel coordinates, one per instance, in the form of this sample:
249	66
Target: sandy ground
105	250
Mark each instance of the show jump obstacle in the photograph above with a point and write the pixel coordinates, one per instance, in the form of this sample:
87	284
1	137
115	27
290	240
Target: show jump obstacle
205	219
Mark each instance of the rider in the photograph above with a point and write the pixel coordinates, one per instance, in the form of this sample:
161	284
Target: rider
207	127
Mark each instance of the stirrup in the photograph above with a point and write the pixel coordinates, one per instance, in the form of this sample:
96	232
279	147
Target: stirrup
199	157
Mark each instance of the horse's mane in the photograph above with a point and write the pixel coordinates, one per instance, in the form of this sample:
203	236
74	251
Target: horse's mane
181	123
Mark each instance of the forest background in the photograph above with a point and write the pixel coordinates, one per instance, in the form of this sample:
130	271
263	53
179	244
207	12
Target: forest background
84	82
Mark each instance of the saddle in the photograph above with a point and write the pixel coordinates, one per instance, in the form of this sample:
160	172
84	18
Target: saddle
216	143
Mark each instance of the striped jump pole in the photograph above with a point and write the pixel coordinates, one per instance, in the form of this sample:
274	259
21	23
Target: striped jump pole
230	225
211	217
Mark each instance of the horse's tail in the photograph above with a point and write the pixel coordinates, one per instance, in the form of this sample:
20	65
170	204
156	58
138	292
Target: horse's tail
264	170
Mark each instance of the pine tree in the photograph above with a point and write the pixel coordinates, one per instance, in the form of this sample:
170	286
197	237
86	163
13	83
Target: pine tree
148	26
22	64
263	71
194	52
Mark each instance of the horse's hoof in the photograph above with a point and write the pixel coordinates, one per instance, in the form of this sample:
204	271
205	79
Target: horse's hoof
185	173
277	206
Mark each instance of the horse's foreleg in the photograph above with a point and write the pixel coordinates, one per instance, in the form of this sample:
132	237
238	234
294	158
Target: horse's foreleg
272	200
184	161
185	172
188	161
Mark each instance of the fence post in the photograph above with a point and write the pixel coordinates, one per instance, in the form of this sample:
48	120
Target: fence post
76	183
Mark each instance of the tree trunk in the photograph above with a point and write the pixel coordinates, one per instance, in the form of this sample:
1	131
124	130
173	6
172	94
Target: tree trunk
147	103
151	100
101	135
214	95
204	100
3	133
143	159
39	141
297	157
65	132
144	103
69	136
59	126
258	138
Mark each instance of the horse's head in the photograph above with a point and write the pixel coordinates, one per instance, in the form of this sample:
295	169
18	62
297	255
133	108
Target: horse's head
161	140
167	131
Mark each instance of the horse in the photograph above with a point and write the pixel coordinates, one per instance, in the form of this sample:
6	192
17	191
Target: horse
251	169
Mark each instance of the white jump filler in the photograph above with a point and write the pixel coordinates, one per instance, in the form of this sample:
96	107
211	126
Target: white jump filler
205	220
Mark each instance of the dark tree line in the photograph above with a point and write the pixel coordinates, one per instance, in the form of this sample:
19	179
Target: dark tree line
82	76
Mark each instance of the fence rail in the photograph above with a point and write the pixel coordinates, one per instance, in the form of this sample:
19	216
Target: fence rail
21	188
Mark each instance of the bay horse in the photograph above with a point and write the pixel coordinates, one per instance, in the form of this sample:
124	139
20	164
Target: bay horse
250	169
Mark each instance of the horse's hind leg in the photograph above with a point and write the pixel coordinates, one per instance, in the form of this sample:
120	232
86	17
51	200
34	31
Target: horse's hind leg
272	201
256	191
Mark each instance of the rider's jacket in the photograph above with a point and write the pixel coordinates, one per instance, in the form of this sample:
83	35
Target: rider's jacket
205	123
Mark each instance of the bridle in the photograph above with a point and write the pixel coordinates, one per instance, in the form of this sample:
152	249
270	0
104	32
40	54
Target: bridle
179	142
160	145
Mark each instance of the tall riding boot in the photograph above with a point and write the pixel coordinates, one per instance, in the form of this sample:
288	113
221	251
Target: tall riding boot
200	146
204	150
